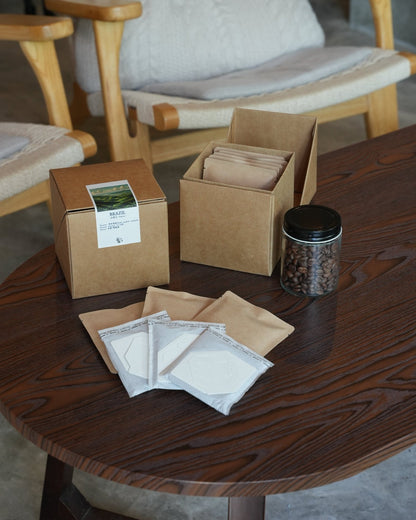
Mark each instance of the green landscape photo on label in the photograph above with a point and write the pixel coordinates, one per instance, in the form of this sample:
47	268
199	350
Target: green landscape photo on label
114	197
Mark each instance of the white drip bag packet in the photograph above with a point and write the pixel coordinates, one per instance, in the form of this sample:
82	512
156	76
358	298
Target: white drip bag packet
217	370
128	348
167	341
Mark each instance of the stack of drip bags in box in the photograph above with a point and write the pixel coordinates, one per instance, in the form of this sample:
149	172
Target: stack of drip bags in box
212	348
238	167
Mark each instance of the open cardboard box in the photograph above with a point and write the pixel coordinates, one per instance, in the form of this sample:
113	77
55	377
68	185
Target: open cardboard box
240	228
88	269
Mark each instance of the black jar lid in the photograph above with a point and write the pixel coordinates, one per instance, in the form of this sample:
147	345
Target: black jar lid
312	223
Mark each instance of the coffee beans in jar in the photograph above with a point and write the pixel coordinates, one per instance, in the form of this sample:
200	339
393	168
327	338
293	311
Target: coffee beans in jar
311	243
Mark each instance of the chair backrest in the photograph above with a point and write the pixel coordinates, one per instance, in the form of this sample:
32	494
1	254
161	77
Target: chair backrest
179	40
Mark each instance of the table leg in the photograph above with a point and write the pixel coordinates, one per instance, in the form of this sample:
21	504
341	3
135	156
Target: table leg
58	476
246	508
62	500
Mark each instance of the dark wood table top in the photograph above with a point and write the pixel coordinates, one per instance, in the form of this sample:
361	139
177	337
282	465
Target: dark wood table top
340	398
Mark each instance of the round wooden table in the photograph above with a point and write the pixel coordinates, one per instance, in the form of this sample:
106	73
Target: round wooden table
340	398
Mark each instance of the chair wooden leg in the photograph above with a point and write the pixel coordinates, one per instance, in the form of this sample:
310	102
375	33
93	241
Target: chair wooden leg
141	132
143	136
382	115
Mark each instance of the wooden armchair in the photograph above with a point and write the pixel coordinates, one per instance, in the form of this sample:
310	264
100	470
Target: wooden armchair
160	98
29	151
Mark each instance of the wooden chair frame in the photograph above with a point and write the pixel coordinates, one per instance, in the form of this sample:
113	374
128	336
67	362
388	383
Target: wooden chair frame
36	35
129	138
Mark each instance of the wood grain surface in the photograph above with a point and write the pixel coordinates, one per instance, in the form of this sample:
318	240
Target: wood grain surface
340	398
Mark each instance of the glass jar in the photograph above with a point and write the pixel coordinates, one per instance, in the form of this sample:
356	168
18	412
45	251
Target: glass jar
311	243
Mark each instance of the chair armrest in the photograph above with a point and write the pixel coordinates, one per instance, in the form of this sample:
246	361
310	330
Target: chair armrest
87	142
383	23
20	27
103	10
108	18
36	35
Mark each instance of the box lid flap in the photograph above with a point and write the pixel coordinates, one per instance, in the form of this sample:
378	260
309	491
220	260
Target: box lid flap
277	130
72	182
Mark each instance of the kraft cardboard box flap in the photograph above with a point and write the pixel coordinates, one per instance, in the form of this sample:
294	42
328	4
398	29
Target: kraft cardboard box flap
75	196
297	133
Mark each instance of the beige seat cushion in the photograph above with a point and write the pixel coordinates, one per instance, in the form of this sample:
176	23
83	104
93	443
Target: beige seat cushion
287	71
48	148
10	144
379	69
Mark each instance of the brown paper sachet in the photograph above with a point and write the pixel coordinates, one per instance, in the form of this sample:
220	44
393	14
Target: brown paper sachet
179	305
96	320
256	158
243	168
219	170
246	323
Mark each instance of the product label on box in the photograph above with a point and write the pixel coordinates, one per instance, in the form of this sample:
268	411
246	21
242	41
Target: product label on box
116	213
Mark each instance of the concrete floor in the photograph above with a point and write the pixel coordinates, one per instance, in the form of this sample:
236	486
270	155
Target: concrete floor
384	492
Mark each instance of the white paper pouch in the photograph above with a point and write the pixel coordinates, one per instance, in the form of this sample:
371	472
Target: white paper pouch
217	370
128	348
167	341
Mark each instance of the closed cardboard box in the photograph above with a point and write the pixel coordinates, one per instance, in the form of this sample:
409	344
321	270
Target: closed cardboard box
89	269
236	227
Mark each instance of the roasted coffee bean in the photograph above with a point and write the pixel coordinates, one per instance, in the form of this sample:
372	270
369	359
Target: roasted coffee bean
310	269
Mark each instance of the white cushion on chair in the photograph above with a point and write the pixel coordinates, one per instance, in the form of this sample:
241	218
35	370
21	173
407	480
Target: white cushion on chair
10	144
287	71
48	148
176	40
380	69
